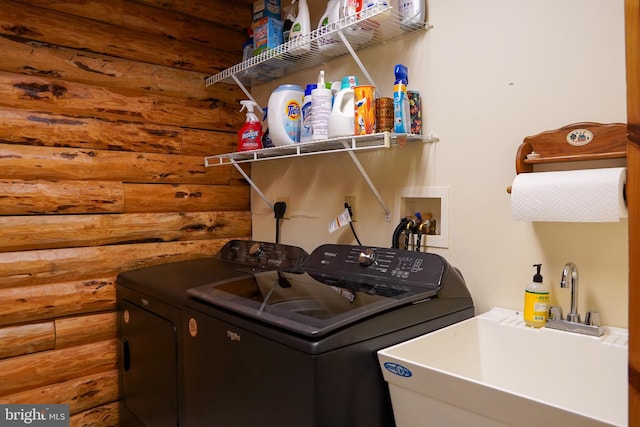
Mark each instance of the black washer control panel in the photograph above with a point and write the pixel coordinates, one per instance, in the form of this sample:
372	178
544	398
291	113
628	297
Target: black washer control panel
263	255
375	270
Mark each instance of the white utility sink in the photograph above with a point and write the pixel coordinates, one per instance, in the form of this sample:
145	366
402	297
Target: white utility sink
492	370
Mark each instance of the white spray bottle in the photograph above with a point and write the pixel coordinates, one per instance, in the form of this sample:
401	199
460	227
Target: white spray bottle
321	99
300	29
330	44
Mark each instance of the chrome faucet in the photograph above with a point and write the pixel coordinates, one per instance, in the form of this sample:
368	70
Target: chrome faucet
570	270
572	322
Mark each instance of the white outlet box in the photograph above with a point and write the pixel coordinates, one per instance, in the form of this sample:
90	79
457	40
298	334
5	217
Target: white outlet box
425	200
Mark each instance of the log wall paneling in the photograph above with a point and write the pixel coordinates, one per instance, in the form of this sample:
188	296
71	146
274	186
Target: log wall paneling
57	96
87	263
79	330
80	394
50	367
57	231
41	129
105	415
22	197
44	25
167	198
24	339
38	302
104	124
23	56
45	163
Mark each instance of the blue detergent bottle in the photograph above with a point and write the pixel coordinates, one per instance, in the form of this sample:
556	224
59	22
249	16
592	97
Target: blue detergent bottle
401	117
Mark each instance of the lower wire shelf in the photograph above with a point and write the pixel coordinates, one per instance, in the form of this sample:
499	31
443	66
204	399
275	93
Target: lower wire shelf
349	143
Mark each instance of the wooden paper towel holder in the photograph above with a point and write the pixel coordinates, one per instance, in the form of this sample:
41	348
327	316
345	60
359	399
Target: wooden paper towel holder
576	142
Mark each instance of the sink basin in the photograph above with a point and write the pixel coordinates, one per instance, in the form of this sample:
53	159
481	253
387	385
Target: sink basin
492	370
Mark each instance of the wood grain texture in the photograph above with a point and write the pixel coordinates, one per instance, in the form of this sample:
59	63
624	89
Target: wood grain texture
18	374
172	197
34	303
18	340
85	329
23	162
21	56
55	130
160	22
81	394
57	197
99	416
57	96
45	25
104	123
27	268
58	231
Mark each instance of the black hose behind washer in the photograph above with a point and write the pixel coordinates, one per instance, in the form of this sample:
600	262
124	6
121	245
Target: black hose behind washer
397	232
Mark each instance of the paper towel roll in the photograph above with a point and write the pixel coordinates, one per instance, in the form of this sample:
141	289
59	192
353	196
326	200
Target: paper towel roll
585	195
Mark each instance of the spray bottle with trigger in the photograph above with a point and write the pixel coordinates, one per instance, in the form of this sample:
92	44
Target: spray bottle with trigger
250	134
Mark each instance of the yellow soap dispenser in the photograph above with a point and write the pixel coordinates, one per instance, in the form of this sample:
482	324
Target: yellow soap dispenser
536	301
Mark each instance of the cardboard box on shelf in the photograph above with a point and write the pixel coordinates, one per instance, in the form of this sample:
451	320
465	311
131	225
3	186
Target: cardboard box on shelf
267	9
267	34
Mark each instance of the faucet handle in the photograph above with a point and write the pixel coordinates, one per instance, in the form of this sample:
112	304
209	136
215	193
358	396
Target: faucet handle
592	318
555	313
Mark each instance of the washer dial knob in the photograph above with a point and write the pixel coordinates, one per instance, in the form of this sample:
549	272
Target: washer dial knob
367	256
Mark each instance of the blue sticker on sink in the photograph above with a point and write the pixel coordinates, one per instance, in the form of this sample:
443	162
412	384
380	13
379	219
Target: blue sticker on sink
397	369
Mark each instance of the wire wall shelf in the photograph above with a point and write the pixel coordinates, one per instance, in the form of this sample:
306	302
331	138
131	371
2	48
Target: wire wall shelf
349	143
375	25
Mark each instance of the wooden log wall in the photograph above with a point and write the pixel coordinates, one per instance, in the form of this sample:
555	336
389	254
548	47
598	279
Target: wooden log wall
104	124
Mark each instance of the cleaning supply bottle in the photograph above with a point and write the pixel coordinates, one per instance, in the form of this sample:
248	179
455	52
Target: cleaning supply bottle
289	13
300	29
321	99
536	301
306	129
401	113
330	44
341	119
266	138
348	12
413	12
250	134
285	105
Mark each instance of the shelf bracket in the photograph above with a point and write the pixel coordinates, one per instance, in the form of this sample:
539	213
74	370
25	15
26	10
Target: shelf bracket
246	92
372	187
253	184
358	62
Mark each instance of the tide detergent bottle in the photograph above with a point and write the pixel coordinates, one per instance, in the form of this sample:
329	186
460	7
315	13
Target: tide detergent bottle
250	134
285	111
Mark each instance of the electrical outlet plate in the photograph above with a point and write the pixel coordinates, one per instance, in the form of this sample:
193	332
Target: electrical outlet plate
352	200
287	212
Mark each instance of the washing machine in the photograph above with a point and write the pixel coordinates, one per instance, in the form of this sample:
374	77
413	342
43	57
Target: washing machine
150	302
298	348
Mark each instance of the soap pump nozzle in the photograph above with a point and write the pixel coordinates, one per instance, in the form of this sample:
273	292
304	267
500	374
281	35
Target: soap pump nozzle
537	277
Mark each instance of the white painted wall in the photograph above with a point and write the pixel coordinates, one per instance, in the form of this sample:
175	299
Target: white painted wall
490	73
